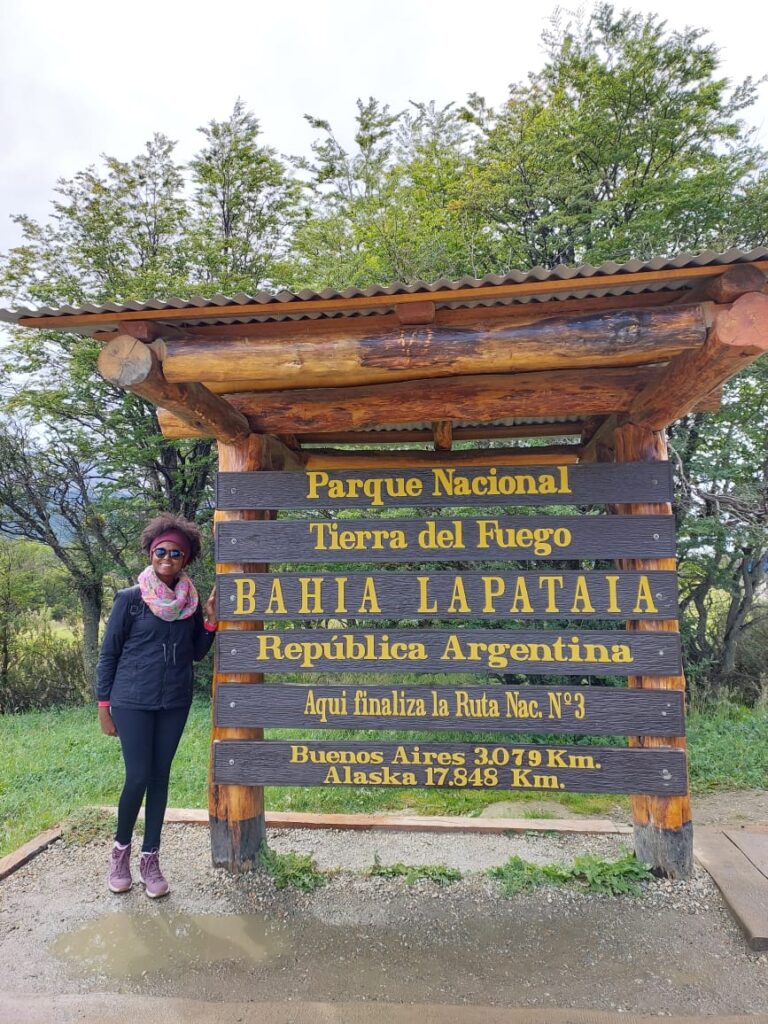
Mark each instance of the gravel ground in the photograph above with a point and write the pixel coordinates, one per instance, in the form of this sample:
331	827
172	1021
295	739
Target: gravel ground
673	950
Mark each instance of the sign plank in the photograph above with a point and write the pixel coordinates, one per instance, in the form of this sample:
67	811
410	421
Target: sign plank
536	652
583	710
447	595
500	767
407	540
435	487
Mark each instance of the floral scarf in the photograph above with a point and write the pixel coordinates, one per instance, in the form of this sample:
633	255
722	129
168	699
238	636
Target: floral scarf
165	603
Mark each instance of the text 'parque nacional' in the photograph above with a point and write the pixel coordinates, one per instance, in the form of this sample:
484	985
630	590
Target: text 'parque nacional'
446	485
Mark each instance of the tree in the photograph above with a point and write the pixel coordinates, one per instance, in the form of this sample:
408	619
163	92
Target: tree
624	145
50	493
722	471
388	210
245	203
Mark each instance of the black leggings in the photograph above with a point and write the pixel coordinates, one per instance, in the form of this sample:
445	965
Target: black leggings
149	740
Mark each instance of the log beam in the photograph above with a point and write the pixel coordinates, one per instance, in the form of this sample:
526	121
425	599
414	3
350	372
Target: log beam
739	336
560	454
662	824
133	365
357	355
477	399
725	288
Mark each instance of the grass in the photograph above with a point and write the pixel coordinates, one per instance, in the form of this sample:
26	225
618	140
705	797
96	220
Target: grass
621	877
54	762
292	870
440	874
91	824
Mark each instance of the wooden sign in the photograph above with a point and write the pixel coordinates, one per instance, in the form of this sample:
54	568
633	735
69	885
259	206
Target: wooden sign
534	652
447	595
408	540
450	765
585	710
435	487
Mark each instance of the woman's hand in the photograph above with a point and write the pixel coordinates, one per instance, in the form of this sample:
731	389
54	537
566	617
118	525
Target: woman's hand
209	608
105	721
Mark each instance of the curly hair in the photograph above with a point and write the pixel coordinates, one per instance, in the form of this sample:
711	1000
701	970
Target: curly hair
168	521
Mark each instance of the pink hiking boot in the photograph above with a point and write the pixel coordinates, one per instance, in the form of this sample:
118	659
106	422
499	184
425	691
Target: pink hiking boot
151	876
120	879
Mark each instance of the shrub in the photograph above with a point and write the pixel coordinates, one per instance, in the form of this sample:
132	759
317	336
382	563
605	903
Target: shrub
44	667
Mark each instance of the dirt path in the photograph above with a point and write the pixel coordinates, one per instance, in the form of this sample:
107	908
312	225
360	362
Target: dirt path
220	939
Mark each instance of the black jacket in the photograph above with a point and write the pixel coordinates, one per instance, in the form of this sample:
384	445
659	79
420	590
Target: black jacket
146	662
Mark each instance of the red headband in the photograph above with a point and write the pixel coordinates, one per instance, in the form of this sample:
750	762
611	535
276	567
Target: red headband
175	537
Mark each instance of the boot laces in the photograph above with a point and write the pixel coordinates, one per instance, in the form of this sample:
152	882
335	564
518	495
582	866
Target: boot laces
150	865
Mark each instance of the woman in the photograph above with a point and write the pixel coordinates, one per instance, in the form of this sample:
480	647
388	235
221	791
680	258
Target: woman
156	630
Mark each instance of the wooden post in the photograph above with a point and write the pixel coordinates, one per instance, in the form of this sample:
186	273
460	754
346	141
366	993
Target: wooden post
236	813
663	829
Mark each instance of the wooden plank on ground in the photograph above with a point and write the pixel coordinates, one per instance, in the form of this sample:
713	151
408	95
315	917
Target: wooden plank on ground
25	853
409	822
744	887
754	846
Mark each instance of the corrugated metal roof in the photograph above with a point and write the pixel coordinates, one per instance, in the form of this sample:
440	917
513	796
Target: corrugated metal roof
586	280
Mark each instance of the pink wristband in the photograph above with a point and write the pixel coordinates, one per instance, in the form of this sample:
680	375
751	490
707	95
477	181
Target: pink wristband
104	704
210	626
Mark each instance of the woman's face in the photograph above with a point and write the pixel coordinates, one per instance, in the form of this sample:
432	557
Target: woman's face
167	561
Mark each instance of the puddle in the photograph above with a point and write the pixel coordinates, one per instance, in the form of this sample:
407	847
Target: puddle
129	946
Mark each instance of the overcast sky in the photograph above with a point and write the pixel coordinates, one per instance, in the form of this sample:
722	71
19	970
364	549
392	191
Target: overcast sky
81	78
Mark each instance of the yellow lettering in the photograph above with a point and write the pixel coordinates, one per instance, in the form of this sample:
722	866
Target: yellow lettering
581	601
276	604
310	594
369	602
521	602
644	596
245	591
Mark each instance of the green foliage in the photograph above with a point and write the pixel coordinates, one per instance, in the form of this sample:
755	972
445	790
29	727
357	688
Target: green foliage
440	874
44	667
594	874
55	761
728	747
90	825
625	144
518	875
291	870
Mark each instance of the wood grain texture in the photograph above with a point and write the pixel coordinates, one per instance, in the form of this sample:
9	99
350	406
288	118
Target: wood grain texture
357	355
738	337
661	835
459	539
454	485
476	399
134	366
533	652
725	288
442	435
523	596
237	812
579	710
754	846
548	769
743	886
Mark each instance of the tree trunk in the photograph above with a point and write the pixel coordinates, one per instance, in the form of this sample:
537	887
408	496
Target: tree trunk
91	603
